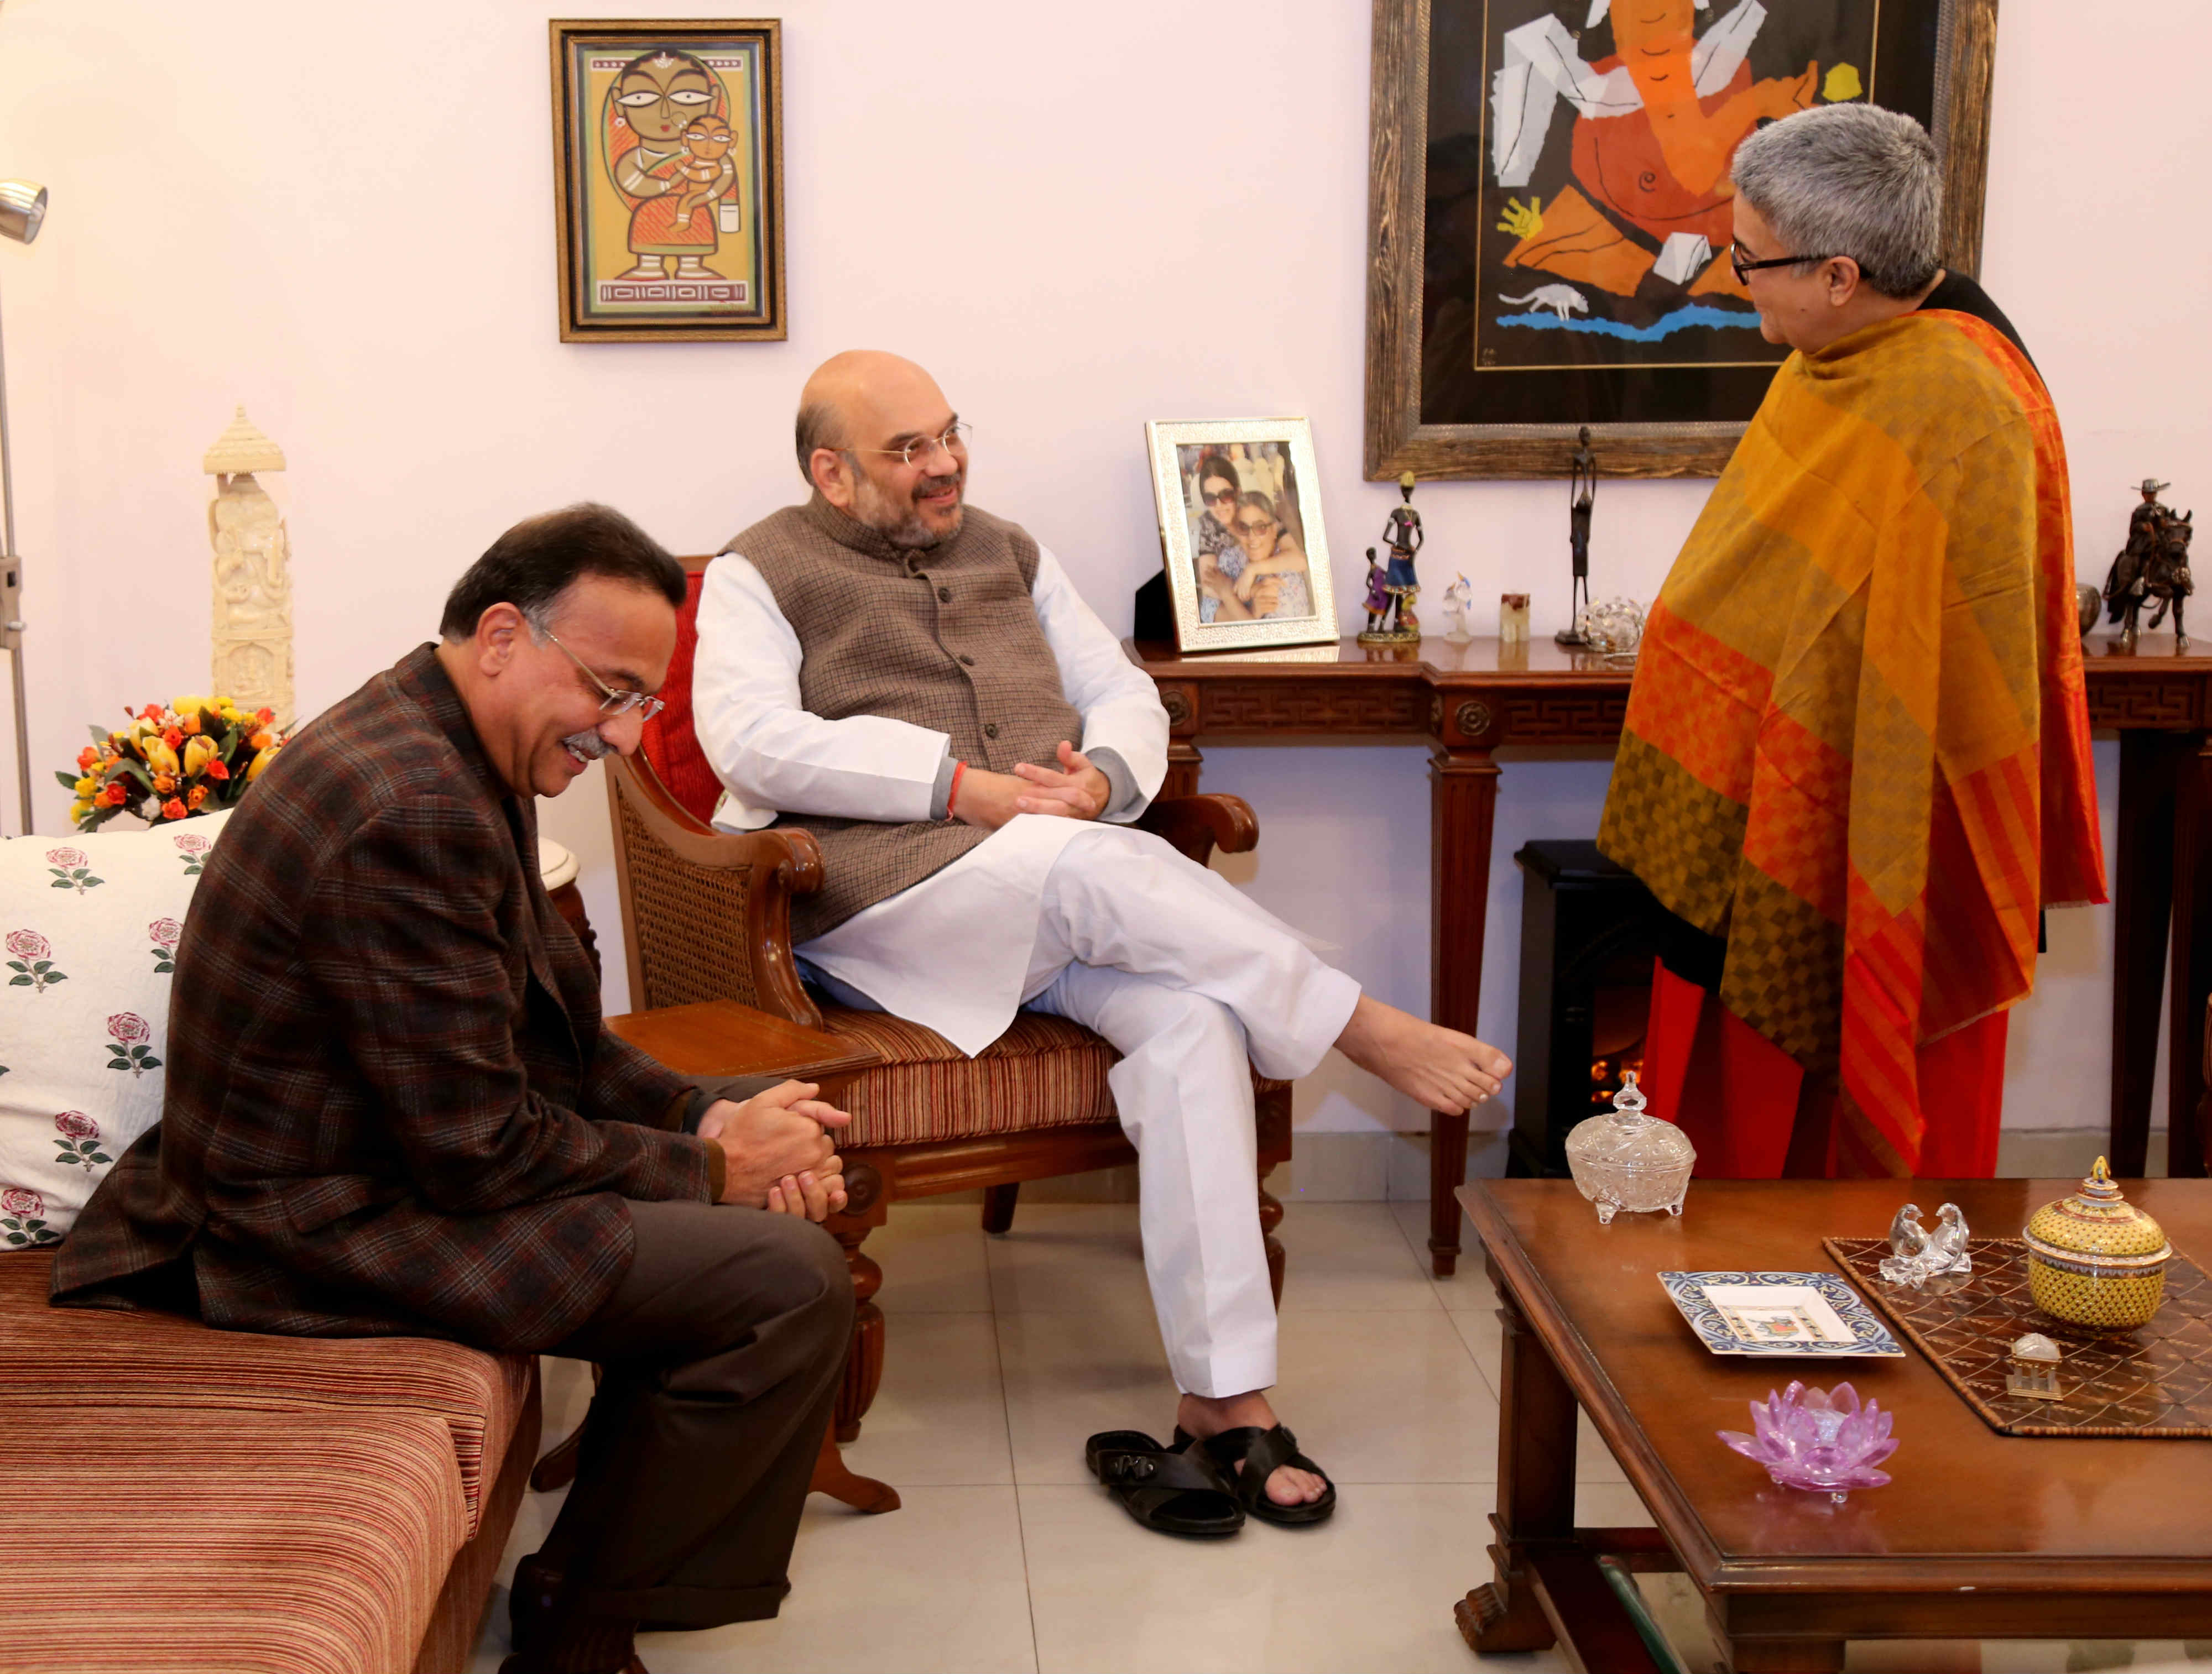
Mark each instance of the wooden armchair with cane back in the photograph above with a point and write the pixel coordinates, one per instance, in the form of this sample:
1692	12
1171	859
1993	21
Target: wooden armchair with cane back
706	916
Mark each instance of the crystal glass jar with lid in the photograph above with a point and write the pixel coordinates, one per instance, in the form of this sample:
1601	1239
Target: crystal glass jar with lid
1624	1159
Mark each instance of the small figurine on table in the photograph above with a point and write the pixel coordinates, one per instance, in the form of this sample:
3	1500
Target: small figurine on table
1582	504
1918	1255
1400	584
1457	597
2154	564
1377	602
2034	1373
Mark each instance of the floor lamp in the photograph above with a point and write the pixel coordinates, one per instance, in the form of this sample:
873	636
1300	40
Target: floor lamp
22	207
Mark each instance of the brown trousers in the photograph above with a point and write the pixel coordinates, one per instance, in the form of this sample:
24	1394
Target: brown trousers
721	1350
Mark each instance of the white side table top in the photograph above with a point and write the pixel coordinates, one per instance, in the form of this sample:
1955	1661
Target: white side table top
554	864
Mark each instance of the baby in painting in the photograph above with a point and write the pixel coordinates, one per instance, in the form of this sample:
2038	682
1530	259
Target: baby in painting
708	142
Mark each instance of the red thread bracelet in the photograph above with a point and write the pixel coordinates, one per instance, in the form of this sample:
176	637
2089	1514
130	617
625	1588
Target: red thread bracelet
953	795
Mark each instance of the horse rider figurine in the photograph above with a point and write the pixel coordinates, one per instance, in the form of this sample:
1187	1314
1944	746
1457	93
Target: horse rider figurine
2153	565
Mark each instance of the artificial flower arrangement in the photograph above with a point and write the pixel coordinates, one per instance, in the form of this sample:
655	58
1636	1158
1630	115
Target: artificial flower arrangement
195	756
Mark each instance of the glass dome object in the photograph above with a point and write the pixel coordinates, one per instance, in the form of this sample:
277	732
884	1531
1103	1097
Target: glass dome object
1624	1159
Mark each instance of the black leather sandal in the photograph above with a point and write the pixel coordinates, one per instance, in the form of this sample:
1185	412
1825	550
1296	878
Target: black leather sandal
1174	1493
1262	1453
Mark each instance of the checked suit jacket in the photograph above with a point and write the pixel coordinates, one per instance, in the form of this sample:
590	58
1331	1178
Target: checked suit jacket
391	1106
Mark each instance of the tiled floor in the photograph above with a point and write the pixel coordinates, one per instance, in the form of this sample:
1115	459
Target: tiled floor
1005	1353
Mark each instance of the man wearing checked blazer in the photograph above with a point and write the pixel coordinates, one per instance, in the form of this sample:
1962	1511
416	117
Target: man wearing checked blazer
392	1109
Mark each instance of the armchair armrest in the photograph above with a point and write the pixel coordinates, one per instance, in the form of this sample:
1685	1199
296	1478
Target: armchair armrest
707	914
1198	825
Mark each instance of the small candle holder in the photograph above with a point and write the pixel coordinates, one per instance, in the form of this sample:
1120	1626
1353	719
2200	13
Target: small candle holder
1819	1440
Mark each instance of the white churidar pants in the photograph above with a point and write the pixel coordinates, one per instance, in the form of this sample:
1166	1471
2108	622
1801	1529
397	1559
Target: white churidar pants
1187	979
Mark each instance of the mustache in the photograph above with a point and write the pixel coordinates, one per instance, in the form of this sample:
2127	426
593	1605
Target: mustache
930	485
589	745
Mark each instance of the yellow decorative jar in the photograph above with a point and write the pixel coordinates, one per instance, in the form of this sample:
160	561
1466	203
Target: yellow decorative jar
2095	1259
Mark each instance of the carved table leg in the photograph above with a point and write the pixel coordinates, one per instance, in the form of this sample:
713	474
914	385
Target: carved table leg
1535	1490
2143	866
2190	977
1462	801
1782	1656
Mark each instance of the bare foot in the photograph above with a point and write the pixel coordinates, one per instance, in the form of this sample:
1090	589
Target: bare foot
1204	1415
1439	1068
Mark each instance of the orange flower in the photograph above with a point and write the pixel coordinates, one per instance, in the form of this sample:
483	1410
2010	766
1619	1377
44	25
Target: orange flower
173	809
215	769
88	759
112	797
174	737
195	796
152	712
266	716
260	740
164	783
190	723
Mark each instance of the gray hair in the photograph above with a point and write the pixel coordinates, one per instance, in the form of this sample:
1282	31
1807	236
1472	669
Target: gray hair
818	426
1851	180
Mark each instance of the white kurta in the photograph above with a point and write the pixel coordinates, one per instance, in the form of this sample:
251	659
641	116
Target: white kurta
923	953
1191	982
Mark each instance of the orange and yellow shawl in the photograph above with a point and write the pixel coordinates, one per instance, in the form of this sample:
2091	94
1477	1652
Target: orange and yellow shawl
1857	744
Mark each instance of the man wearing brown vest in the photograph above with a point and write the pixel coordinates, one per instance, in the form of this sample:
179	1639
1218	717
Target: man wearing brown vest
917	683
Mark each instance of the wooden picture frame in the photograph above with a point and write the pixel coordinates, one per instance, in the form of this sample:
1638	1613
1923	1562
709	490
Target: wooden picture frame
1650	420
1259	576
668	178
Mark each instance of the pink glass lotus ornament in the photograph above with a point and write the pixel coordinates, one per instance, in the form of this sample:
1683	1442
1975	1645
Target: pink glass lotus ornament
1820	1440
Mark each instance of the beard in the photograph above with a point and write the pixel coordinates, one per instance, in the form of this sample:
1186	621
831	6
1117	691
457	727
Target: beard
900	521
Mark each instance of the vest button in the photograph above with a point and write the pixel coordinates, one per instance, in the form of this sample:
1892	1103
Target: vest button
944	595
992	730
967	662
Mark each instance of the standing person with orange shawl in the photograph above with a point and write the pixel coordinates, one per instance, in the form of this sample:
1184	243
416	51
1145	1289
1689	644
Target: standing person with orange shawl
1857	752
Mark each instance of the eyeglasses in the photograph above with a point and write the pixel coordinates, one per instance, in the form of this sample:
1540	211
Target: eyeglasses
1227	496
953	440
1261	528
1744	270
617	703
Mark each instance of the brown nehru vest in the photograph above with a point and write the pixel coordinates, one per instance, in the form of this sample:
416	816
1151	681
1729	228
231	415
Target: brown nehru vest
947	638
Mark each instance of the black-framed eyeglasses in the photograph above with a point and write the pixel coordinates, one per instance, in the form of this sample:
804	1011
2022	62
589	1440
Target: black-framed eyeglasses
1229	495
1744	270
953	439
616	703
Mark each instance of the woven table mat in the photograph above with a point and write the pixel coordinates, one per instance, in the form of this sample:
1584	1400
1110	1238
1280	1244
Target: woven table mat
2153	1381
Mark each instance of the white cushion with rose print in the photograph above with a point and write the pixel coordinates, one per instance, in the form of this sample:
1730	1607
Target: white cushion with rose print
90	924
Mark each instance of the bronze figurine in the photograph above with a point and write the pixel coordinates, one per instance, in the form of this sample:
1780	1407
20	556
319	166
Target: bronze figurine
1582	499
2153	565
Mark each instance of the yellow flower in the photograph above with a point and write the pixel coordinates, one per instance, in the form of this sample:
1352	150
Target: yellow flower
78	811
85	787
260	762
188	706
199	750
159	756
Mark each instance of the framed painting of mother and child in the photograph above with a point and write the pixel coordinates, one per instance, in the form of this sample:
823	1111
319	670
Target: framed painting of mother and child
1550	212
1239	503
668	168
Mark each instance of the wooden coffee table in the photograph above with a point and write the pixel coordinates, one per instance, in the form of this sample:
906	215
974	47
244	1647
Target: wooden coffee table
1979	1536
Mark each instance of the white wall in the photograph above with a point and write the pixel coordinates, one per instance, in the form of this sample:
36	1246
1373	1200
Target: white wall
1082	218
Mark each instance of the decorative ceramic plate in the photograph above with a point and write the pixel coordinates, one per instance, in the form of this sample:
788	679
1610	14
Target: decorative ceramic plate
1780	1315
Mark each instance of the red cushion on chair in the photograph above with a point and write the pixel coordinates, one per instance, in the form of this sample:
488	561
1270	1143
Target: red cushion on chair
670	743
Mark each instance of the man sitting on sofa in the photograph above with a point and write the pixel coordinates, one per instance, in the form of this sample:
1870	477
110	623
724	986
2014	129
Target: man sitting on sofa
393	1108
915	682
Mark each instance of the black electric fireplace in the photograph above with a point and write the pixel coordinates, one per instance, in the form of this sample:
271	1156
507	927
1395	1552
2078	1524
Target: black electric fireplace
1589	933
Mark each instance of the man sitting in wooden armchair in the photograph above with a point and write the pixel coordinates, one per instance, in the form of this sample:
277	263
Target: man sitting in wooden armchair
916	684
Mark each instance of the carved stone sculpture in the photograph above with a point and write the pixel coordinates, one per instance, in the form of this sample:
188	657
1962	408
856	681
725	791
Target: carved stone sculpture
253	628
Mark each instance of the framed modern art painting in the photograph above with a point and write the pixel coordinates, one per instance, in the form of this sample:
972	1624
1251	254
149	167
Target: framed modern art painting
1239	504
668	172
1549	213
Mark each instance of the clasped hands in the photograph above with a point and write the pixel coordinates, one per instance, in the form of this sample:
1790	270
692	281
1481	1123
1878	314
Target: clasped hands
1076	791
777	1154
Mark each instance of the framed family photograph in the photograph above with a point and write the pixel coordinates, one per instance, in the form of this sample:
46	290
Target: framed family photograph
1550	212
1240	527
668	180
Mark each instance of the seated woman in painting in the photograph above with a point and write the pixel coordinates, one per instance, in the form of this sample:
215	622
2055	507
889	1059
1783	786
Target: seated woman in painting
1656	124
666	117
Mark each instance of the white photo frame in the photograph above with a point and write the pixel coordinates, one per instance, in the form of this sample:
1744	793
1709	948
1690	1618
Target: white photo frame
1232	580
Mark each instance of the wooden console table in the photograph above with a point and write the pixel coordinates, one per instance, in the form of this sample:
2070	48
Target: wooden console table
1470	700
